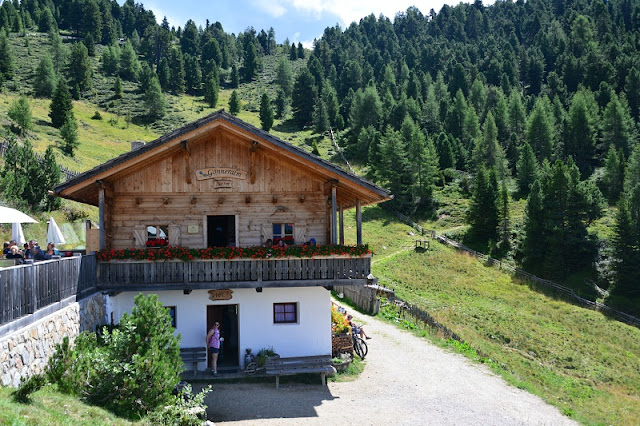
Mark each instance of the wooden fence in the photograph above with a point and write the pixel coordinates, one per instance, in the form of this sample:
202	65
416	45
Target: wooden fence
26	288
564	291
116	274
364	297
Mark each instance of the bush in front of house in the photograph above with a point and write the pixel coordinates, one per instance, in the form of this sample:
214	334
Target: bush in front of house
184	409
130	370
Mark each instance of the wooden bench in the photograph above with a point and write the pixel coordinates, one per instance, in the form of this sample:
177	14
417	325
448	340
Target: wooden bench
276	366
193	355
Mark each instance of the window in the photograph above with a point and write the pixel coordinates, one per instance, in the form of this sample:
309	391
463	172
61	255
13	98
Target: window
283	231
172	313
285	313
157	235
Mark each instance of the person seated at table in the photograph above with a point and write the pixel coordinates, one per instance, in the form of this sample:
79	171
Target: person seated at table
268	243
282	243
357	329
52	250
16	255
5	249
36	253
312	242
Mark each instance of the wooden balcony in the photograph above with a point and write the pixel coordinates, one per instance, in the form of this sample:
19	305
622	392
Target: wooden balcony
134	275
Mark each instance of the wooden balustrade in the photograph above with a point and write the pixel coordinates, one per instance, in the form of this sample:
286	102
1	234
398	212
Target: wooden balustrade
234	273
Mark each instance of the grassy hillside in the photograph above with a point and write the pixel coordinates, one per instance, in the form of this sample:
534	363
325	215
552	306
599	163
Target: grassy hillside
579	360
49	407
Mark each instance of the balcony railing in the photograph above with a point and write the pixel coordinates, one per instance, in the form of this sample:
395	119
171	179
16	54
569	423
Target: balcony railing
237	273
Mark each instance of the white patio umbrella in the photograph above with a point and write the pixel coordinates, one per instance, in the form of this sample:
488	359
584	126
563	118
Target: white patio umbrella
9	215
16	234
54	235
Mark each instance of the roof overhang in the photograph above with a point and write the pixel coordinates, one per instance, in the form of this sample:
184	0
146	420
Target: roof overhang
84	188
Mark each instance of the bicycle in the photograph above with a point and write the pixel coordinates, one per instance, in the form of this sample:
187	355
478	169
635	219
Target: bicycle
359	345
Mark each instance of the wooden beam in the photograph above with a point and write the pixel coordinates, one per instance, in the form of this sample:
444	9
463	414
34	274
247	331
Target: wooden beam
101	208
187	160
358	222
231	284
252	167
334	207
341	225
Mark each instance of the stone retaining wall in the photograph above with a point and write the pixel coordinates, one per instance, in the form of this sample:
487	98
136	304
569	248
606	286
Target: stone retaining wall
26	351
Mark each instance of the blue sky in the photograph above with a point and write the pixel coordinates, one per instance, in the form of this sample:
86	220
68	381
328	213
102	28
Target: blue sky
298	20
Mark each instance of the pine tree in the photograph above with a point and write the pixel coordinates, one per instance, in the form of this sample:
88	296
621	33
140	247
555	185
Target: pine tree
211	89
394	171
580	138
234	103
613	179
59	52
293	53
164	74
192	74
517	115
304	97
626	246
20	113
129	64
61	104
284	76
330	99
235	76
117	88
534	243
176	67
300	51
146	74
366	109
483	214
46	22
281	104
69	134
487	151
6	58
110	59
540	129
79	69
251	63
526	169
617	126
51	175
266	113
504	228
89	44
632	174
21	177
320	117
154	100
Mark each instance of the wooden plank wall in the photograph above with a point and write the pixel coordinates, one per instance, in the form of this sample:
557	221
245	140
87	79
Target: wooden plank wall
160	194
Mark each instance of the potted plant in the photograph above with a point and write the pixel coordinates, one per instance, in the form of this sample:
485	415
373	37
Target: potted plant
342	362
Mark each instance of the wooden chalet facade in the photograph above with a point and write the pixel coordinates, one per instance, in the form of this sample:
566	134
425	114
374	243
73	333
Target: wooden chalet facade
222	182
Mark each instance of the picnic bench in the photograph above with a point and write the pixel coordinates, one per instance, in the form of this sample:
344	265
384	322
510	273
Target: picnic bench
276	366
193	355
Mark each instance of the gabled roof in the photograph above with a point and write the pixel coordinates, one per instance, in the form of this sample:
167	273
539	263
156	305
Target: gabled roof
83	188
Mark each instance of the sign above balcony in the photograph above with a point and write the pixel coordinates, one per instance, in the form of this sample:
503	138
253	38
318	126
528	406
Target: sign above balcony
220	173
220	294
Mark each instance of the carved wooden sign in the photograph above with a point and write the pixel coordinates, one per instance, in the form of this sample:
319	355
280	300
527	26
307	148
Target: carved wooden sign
223	184
225	294
220	173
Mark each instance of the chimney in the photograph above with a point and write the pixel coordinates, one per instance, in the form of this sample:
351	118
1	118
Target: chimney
136	145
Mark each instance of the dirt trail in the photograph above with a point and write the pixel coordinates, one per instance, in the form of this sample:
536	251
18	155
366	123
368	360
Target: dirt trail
406	380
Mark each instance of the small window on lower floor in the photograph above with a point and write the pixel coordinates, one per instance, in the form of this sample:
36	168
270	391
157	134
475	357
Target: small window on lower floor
285	313
172	313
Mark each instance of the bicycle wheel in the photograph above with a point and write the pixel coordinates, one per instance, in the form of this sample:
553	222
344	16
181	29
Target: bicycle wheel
360	347
251	368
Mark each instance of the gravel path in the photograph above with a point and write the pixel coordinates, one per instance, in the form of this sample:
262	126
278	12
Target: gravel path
406	380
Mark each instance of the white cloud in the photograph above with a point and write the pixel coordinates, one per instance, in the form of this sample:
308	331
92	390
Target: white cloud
271	7
354	10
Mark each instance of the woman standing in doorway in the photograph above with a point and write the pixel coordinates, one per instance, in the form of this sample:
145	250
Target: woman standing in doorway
213	341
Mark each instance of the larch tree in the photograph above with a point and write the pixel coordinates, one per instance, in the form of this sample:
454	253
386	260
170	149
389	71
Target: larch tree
20	113
266	113
45	79
526	169
540	130
79	69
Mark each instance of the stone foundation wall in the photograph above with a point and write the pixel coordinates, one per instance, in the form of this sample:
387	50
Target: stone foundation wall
26	351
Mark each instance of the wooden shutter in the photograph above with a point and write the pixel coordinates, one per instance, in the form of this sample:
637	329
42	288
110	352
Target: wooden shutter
266	233
300	233
174	235
140	235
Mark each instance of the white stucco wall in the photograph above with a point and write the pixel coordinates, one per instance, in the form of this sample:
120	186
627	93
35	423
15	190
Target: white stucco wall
256	330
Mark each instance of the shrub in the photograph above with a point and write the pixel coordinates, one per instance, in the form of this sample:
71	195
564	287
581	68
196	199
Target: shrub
130	369
184	409
27	387
96	116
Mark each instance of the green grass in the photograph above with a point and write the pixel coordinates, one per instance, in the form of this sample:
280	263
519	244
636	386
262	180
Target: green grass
49	407
578	360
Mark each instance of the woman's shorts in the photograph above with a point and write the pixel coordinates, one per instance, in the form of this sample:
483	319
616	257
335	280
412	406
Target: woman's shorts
214	350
